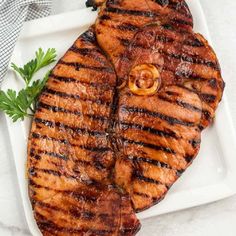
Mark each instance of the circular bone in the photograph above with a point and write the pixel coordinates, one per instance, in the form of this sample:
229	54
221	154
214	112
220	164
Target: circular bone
144	79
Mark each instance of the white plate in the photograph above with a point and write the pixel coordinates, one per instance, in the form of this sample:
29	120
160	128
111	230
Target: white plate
212	175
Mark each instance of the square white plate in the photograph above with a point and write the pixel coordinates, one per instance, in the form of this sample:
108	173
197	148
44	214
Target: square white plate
213	173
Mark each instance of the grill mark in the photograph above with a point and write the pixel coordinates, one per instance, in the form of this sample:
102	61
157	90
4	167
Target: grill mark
155	163
157	132
189	158
213	83
89	36
31	172
190	76
96	149
193	60
37	157
194	43
162	2
87	164
184	57
68	176
207	115
74	96
33	184
188	106
52	154
39	136
208	98
148	145
144	195
64	79
168	26
75	195
47	205
168	119
123	41
52	207
52	124
75	212
87	215
63	110
171	28
104	17
34	155
195	142
155	200
150	161
50	226
82	196
164	39
146	179
201	127
181	22
83	51
171	93
180	103
88	148
127	27
96	164
79	66
49	172
183	86
88	52
131	12
32	152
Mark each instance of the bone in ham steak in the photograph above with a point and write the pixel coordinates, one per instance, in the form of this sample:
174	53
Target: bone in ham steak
70	154
100	148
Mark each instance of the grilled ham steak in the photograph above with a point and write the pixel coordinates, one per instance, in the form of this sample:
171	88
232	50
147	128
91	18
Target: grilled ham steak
70	155
103	142
158	136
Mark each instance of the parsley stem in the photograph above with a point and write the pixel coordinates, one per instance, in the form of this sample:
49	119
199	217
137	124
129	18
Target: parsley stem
22	104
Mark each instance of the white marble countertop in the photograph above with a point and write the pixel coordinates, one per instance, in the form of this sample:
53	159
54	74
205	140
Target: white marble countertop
213	219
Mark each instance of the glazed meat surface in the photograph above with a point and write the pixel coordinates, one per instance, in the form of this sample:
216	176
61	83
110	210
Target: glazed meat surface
70	157
105	142
119	20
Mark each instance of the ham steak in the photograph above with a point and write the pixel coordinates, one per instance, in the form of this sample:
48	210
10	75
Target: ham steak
120	118
70	153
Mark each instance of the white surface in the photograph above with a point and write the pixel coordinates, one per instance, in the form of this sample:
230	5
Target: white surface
217	219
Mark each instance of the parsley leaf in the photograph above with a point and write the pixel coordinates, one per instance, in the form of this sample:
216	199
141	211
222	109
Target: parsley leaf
14	105
35	89
41	60
22	104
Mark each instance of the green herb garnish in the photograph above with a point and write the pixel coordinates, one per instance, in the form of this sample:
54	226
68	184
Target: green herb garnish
19	105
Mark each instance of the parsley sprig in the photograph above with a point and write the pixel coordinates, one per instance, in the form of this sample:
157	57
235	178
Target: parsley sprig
19	105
